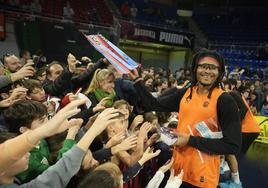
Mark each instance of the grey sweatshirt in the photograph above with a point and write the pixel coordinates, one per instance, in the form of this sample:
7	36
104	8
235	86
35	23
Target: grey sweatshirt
58	175
4	81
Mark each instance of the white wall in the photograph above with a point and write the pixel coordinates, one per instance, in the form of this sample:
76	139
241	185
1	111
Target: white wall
9	45
176	60
156	59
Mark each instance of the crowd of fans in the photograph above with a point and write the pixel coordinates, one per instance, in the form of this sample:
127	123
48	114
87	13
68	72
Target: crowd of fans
35	99
85	126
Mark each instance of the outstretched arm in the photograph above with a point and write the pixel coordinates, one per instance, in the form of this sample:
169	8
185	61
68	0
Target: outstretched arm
167	102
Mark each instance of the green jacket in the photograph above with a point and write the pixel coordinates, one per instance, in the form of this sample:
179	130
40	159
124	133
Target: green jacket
7	72
38	161
67	145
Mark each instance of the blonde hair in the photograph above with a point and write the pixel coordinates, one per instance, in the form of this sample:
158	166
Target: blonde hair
119	103
106	175
113	170
99	76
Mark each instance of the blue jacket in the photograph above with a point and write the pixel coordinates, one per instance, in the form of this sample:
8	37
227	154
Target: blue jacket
125	90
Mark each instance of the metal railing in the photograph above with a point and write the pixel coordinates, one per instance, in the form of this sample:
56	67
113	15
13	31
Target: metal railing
170	28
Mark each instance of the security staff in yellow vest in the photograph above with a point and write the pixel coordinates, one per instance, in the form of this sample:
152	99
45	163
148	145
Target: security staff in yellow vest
209	123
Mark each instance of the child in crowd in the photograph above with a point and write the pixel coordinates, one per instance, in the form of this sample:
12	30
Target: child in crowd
27	115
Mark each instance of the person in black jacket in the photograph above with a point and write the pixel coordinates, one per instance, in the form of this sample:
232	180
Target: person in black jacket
200	107
60	81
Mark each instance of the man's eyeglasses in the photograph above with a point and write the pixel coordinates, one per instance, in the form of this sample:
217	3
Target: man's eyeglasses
208	66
